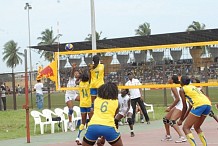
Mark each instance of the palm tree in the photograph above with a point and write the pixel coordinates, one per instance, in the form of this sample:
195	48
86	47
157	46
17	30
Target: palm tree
143	29
196	26
12	57
197	51
98	36
47	38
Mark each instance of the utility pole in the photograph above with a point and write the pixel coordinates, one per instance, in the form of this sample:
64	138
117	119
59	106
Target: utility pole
29	7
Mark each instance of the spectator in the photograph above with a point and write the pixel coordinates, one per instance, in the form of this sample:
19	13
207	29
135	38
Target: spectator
3	96
39	94
19	89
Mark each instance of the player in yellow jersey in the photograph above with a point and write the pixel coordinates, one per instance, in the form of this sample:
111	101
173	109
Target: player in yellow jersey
102	123
201	107
97	76
85	102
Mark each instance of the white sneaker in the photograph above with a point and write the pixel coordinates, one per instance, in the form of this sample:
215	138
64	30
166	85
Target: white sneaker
181	139
192	128
120	123
142	121
70	126
167	138
78	142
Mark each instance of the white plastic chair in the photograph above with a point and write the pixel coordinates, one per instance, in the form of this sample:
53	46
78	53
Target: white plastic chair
60	112
48	114
37	120
151	109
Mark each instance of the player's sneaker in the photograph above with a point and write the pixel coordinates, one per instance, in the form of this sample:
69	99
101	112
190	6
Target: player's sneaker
70	126
181	139
132	134
192	128
167	138
78	142
142	121
120	123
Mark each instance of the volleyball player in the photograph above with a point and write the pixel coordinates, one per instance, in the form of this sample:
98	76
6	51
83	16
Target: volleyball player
85	102
106	106
174	111
125	110
71	95
97	76
201	107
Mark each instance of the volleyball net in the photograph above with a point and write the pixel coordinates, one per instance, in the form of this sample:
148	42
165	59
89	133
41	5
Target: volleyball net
152	65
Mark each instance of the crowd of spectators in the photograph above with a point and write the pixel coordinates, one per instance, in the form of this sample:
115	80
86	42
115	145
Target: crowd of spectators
152	72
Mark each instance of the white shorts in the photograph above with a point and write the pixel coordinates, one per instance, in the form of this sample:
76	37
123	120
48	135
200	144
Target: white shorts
123	111
179	106
69	97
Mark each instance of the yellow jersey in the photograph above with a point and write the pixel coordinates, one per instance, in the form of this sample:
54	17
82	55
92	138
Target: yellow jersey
97	76
84	92
195	97
104	112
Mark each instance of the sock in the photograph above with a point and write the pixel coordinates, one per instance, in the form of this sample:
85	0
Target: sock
81	127
202	138
141	116
191	139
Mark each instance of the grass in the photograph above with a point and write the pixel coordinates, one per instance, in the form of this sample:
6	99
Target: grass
13	122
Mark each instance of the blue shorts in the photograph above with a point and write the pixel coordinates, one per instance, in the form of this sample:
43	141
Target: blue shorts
85	109
94	91
109	133
201	110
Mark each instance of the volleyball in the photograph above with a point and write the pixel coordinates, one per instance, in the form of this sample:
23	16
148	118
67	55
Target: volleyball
68	47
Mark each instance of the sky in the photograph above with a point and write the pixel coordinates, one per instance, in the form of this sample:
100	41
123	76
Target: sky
114	18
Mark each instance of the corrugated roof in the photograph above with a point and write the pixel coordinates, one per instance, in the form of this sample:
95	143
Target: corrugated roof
138	41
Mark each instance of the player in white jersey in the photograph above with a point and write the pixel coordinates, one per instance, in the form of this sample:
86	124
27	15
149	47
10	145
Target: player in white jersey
125	109
174	112
71	95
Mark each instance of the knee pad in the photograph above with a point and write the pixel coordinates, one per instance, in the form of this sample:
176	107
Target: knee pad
165	120
70	112
81	127
129	120
172	122
116	122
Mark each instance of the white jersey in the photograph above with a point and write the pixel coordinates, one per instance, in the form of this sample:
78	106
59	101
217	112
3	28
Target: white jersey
71	94
179	105
123	102
134	93
71	83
